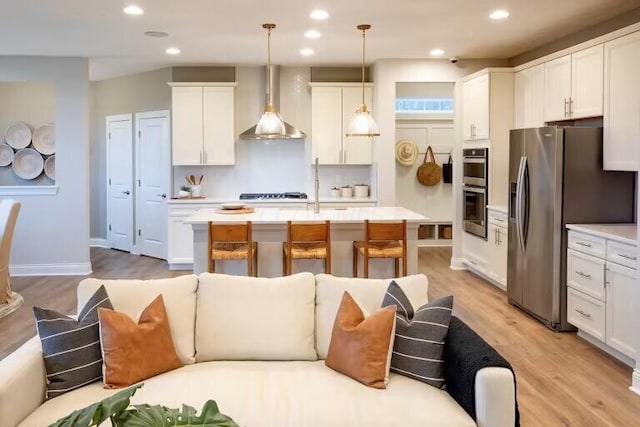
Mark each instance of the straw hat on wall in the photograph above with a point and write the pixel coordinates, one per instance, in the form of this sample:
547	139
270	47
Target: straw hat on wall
406	152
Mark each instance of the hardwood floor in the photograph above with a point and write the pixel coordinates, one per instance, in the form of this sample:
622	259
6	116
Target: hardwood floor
561	380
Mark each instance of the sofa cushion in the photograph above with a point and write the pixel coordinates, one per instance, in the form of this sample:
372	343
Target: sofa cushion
132	296
418	349
280	394
70	347
249	318
133	351
367	292
361	347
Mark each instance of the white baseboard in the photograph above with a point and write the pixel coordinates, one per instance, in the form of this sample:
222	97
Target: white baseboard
70	269
181	266
602	346
96	242
635	381
458	264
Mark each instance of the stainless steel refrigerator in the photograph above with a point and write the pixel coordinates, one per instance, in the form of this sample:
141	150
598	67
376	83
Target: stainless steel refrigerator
556	178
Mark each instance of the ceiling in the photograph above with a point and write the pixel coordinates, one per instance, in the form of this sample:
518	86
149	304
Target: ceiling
229	32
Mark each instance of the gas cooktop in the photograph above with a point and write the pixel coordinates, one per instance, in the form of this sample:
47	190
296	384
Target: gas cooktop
269	196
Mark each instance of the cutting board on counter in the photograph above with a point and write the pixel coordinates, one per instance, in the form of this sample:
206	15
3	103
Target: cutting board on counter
245	210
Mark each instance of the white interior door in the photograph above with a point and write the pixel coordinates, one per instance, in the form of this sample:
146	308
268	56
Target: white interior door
153	174
120	182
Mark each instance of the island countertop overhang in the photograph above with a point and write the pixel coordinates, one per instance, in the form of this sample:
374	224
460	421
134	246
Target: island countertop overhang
337	215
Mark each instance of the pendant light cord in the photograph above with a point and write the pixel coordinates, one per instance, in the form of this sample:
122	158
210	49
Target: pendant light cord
363	50
269	27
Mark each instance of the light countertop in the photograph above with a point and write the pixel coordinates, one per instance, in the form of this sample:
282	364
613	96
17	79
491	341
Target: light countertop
279	216
626	233
218	200
498	208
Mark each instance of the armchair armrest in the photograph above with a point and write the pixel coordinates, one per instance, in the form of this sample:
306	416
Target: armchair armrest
23	382
479	378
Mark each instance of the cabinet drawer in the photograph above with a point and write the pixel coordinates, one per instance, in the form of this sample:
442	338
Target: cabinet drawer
586	273
586	313
622	253
498	219
588	244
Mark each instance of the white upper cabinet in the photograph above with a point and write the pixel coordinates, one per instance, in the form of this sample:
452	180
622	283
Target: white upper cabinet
529	98
573	85
622	103
186	111
218	131
587	81
203	124
475	99
557	89
332	107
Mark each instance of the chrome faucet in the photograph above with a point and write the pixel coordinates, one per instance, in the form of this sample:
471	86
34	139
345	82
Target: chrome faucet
316	207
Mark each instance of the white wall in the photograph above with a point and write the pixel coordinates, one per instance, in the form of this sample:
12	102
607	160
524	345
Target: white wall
52	233
386	73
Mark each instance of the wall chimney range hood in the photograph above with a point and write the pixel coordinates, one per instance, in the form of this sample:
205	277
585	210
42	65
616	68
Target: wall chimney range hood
291	132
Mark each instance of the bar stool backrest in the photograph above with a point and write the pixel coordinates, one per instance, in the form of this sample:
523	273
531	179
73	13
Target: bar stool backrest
377	231
230	232
312	232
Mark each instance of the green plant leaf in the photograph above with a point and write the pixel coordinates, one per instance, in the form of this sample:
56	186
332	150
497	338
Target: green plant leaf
99	412
160	416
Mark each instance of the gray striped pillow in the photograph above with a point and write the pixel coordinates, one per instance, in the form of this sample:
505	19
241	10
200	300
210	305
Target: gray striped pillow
418	349
71	348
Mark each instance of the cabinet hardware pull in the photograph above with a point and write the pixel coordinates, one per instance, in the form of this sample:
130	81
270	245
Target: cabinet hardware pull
565	107
570	107
200	156
127	192
625	256
587	315
495	237
586	245
586	276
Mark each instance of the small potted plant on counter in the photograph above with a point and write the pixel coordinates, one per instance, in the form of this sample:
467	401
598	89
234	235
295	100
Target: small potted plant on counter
185	191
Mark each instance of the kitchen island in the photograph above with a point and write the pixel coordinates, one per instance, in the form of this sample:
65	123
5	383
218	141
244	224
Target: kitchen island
270	230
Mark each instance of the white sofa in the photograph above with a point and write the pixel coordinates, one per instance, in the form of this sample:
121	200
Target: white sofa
256	347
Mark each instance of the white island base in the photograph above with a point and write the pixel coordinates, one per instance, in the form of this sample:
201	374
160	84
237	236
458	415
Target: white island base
269	229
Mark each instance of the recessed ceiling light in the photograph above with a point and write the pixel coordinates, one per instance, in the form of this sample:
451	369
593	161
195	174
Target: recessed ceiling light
156	34
307	52
499	14
172	51
319	15
132	9
436	52
312	34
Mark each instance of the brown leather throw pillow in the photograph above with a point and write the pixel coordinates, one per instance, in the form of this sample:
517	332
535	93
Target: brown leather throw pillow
361	347
134	351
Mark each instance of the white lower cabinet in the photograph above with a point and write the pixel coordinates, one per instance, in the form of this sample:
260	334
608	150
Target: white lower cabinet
621	284
498	248
600	291
180	236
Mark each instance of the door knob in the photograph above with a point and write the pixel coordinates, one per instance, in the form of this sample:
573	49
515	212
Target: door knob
163	195
127	192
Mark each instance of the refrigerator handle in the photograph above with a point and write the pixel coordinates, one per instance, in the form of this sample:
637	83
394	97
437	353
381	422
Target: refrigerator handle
519	195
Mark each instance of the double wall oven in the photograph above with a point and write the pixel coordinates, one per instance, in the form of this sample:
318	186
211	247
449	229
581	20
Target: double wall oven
475	180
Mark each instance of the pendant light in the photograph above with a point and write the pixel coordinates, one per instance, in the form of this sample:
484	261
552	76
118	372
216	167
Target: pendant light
270	124
362	124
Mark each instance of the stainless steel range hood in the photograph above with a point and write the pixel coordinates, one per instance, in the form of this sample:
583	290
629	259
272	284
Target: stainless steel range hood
291	132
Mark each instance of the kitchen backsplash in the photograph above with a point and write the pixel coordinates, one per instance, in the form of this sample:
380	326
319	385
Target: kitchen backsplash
271	167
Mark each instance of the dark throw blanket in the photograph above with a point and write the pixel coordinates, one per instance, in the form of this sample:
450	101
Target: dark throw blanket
465	354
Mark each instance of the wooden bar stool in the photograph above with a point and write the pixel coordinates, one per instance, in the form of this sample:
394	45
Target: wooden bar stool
232	242
382	240
307	241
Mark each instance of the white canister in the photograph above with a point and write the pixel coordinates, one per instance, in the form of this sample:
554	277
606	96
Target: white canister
346	191
334	192
361	190
196	191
